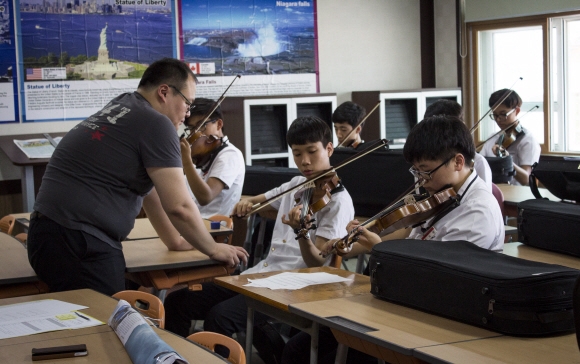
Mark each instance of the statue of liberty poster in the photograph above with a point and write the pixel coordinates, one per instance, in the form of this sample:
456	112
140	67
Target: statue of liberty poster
79	54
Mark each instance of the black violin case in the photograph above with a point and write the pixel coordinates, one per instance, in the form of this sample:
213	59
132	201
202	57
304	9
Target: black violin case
464	282
550	225
502	169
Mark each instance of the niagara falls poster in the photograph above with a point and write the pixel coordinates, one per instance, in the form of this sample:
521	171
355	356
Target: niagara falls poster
271	44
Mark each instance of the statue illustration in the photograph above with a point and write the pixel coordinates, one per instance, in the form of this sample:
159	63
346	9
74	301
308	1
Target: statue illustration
104	38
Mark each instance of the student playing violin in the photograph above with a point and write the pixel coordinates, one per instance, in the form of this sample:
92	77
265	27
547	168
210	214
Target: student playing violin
345	118
223	310
452	108
439	148
525	150
215	180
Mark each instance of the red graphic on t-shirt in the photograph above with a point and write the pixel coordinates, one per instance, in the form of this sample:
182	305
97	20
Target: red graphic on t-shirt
97	135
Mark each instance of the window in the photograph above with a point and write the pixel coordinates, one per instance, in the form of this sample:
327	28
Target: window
543	50
565	88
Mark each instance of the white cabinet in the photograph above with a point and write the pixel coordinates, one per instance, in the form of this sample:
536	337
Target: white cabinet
399	111
260	124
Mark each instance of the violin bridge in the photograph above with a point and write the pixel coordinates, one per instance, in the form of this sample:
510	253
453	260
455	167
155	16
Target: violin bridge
409	200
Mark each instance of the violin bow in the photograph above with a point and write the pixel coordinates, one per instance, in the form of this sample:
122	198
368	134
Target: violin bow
359	124
376	145
496	105
506	128
217	104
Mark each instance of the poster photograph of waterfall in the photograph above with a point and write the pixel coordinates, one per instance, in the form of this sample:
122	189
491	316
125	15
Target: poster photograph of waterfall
271	44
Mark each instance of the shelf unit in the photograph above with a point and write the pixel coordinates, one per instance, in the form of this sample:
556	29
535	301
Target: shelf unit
400	110
257	125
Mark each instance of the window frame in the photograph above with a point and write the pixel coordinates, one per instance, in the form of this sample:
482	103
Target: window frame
470	71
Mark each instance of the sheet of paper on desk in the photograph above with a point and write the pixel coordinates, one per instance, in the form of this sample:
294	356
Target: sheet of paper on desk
42	316
36	148
289	280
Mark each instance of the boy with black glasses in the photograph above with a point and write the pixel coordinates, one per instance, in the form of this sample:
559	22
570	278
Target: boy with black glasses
525	150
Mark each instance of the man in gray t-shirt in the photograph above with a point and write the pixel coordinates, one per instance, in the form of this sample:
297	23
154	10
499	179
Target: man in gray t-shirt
123	157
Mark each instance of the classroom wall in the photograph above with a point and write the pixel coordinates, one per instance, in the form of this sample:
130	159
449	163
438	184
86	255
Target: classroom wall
368	45
476	10
445	43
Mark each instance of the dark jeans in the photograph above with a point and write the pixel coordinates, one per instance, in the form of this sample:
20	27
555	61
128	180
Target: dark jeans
223	311
67	259
297	350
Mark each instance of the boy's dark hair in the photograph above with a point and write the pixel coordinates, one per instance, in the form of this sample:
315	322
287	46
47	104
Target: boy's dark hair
438	138
444	107
513	100
166	70
308	129
202	108
350	113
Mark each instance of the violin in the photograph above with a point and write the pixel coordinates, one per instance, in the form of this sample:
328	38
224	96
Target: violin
356	143
507	138
410	211
313	198
203	145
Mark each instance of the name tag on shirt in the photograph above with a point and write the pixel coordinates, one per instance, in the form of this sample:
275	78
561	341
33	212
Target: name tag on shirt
429	234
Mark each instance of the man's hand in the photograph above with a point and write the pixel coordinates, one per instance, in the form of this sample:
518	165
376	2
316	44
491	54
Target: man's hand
232	255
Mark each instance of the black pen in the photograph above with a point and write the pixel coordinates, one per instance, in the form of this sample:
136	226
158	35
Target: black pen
79	315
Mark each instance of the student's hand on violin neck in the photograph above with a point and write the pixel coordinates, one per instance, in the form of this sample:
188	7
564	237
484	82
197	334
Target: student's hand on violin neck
496	149
294	219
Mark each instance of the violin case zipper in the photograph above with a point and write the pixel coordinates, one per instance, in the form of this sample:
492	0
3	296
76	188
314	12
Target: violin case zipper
463	282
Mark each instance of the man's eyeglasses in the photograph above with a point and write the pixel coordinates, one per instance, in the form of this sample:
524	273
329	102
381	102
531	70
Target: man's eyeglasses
190	105
427	175
497	117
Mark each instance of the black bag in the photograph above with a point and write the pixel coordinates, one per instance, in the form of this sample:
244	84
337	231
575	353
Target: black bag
502	169
261	179
464	282
561	177
550	225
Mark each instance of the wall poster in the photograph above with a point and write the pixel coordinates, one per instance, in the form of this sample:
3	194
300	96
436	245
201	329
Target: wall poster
8	86
76	55
271	44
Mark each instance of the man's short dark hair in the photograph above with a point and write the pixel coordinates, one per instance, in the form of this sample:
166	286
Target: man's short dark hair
166	70
349	112
512	101
203	107
439	138
308	129
444	107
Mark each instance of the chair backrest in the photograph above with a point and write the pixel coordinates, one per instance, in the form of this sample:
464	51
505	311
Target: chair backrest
22	238
335	261
211	339
229	223
7	224
499	197
147	304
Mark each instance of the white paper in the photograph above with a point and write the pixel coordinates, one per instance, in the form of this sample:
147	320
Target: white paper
291	281
42	316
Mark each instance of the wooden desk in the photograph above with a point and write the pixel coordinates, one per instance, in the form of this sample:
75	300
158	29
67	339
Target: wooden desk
17	278
149	263
102	343
513	195
523	251
505	349
32	170
144	230
392	331
276	303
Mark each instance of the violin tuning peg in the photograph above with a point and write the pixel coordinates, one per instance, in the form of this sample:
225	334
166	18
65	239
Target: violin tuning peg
313	227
